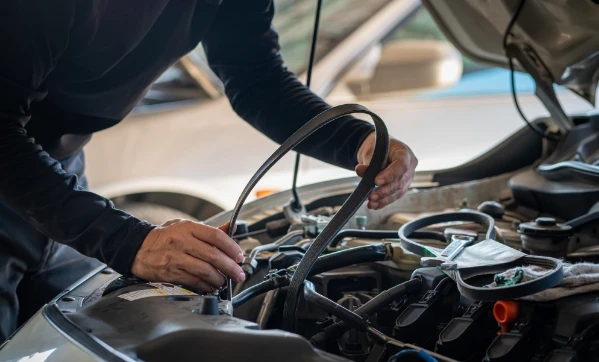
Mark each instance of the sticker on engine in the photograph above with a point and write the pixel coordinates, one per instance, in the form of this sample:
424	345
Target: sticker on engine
161	290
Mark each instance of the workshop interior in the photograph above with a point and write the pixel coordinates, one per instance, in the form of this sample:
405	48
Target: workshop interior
493	260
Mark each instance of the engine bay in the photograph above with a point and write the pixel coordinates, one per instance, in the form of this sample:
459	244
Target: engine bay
464	272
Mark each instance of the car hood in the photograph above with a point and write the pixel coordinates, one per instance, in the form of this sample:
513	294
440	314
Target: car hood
559	36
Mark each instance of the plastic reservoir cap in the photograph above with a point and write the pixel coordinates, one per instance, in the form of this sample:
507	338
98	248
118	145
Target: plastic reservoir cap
505	313
361	221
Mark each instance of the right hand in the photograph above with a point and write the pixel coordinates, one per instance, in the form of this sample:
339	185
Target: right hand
189	253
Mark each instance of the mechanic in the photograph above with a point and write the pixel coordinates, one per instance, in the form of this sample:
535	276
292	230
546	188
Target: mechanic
71	68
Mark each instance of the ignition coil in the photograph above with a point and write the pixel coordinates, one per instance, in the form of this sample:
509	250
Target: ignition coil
469	334
526	331
415	323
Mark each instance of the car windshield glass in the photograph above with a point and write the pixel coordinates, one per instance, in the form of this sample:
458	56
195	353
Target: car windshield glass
294	21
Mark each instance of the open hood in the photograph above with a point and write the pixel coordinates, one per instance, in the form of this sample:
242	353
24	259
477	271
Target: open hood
555	41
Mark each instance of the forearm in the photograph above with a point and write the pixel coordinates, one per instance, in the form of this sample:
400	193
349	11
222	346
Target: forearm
35	186
278	105
243	50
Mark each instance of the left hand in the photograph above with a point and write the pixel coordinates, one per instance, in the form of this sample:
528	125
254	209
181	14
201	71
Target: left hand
394	181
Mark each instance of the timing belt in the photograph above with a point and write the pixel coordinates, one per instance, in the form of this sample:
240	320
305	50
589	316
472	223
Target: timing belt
351	205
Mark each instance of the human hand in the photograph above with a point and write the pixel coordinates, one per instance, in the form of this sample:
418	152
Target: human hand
394	181
189	253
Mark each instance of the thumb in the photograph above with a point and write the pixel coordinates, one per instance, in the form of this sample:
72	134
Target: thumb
361	169
225	228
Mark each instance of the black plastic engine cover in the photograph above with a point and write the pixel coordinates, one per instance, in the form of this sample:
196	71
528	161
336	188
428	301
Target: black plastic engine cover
172	328
567	196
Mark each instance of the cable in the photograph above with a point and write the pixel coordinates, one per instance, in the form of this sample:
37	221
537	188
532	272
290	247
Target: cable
506	34
297	204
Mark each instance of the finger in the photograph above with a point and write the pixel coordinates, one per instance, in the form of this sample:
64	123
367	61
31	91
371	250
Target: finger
225	228
361	169
388	201
393	172
217	259
393	197
182	277
391	188
201	270
217	237
388	194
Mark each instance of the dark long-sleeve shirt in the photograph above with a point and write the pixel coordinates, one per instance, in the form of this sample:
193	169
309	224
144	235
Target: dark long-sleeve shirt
69	68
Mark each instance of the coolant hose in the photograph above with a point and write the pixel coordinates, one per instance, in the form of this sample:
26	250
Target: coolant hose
357	255
370	308
260	288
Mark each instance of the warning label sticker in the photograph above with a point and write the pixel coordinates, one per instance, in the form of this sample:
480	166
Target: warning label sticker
161	289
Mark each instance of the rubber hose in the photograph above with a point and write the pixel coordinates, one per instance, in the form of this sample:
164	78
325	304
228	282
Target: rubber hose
370	308
351	318
339	259
359	254
410	354
258	289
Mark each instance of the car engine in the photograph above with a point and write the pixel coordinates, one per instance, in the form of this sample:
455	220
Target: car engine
471	271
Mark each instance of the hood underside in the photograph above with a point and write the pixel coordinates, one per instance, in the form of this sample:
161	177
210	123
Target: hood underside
559	36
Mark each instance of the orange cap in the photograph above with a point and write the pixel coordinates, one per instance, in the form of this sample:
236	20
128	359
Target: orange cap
265	192
505	313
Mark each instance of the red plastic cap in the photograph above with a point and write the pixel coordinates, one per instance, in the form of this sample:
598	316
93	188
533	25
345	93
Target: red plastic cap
505	313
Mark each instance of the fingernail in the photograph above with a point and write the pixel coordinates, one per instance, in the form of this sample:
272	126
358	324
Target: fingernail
241	277
239	258
379	181
374	205
374	197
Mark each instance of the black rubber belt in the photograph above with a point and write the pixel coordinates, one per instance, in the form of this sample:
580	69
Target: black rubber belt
407	230
351	205
549	280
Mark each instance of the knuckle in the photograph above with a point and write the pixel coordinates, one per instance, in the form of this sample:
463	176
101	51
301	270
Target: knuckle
384	192
203	271
212	255
171	242
166	261
219	235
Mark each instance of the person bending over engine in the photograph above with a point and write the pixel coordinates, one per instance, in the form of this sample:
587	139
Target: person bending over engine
71	68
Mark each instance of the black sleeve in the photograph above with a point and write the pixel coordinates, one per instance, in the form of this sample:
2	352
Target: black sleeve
33	35
243	50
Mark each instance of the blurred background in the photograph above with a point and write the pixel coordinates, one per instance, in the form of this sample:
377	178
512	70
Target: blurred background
184	150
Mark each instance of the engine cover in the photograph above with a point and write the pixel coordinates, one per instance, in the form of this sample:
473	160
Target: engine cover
183	328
